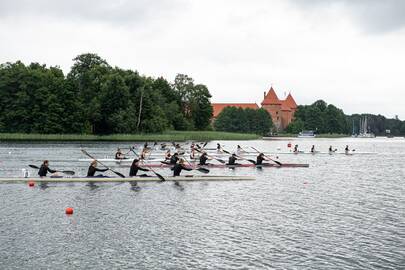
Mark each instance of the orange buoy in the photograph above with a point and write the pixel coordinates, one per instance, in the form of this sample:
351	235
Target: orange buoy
31	183
69	211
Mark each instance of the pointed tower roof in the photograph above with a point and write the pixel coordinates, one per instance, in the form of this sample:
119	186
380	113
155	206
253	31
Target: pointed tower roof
290	102
285	106
271	98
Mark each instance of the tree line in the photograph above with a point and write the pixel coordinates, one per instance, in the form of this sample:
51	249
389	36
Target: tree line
233	119
326	118
96	98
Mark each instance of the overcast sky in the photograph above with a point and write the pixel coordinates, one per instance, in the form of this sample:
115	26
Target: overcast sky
349	53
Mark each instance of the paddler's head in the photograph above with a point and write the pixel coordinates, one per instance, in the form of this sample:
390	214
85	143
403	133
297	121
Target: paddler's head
261	155
94	163
135	161
45	163
181	161
176	154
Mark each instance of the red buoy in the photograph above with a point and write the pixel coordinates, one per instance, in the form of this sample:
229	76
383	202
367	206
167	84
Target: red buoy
69	211
289	145
31	183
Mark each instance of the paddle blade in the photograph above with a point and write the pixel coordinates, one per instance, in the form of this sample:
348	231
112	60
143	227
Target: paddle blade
118	173
162	179
226	151
203	170
33	166
277	162
251	161
69	172
220	160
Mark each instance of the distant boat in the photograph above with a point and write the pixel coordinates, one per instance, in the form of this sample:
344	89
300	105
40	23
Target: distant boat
306	134
364	129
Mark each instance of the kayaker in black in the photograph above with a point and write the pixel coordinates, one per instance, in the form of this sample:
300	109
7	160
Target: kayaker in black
135	167
179	167
296	148
93	169
168	155
347	149
203	159
260	158
119	155
313	149
174	158
330	149
44	169
232	159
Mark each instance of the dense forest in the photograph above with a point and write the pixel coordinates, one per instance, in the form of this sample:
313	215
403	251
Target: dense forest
96	98
326	118
233	119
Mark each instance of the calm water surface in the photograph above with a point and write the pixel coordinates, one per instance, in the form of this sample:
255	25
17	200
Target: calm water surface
343	212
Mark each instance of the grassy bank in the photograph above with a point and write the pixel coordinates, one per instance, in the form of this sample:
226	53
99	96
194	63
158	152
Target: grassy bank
165	136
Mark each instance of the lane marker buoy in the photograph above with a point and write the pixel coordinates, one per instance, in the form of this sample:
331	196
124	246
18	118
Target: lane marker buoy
69	211
31	183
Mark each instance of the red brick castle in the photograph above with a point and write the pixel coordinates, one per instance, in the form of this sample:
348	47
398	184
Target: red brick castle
281	111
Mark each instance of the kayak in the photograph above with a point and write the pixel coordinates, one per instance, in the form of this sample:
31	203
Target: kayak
247	165
185	178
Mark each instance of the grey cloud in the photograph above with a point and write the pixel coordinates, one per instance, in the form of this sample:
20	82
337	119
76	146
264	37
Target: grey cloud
108	11
372	15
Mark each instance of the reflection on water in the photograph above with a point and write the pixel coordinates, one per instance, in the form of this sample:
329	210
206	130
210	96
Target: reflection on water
341	212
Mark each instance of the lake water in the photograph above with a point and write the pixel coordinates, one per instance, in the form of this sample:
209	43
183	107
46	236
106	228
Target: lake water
343	212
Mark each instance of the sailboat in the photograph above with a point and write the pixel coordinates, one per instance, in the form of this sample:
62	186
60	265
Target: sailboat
364	129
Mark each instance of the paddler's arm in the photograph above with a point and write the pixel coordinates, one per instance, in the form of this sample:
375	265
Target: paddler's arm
100	170
51	171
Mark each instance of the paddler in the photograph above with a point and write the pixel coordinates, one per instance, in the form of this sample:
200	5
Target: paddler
313	149
44	169
192	153
174	158
93	169
135	167
119	154
203	159
178	167
330	150
168	155
219	148
232	159
240	150
296	148
260	158
347	150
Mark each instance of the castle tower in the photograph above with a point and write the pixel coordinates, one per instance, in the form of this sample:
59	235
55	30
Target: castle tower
272	104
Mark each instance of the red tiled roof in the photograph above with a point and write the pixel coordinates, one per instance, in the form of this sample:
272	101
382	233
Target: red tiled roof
285	106
271	98
218	107
290	102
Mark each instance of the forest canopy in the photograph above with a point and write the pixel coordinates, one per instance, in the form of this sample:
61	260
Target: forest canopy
96	98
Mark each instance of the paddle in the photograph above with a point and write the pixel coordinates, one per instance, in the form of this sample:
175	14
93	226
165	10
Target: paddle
217	159
90	156
65	172
275	161
150	168
250	160
203	170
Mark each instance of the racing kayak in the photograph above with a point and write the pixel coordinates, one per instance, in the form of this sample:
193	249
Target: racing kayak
247	165
185	178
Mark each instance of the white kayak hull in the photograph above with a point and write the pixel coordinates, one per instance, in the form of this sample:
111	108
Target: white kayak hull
186	178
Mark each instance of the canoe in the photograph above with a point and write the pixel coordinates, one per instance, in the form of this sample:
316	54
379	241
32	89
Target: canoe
247	165
185	178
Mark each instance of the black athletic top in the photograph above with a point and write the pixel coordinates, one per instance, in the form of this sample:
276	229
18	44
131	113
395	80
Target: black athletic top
203	160
92	170
173	159
231	160
134	170
259	160
43	170
178	168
